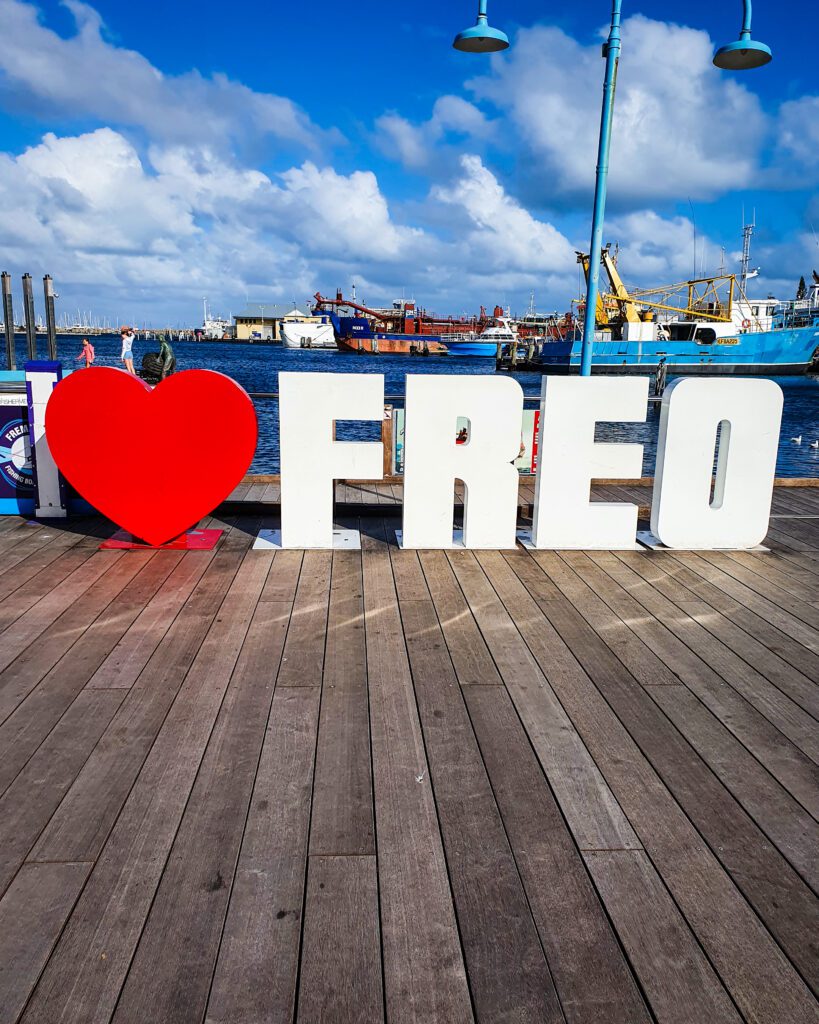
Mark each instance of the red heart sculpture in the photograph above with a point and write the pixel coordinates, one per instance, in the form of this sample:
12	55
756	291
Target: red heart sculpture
153	460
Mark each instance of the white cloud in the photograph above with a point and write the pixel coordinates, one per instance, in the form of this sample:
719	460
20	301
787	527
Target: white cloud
64	76
680	127
107	223
417	146
502	234
798	130
338	215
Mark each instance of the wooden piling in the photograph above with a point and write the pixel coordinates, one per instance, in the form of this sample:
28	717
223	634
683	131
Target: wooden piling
387	439
31	322
8	321
51	322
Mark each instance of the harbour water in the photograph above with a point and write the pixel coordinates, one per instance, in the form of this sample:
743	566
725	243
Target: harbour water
256	368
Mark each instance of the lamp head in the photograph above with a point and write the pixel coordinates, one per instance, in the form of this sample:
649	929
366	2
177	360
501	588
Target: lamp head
481	38
743	54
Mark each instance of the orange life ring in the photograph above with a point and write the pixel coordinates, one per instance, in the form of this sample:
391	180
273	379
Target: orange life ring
746	324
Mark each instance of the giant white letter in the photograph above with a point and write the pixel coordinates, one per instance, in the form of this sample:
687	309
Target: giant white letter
683	513
311	460
569	459
434	460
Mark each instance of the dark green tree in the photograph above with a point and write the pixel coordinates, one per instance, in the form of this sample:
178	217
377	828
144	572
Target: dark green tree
802	290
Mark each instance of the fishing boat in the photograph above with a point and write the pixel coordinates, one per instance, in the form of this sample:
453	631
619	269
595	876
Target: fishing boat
701	326
215	328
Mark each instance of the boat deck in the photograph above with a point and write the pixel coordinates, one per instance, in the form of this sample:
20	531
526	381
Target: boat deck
440	787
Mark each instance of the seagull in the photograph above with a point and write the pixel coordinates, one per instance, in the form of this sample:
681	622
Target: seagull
797	440
814	444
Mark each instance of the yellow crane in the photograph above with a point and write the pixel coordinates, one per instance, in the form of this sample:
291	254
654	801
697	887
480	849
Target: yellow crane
707	298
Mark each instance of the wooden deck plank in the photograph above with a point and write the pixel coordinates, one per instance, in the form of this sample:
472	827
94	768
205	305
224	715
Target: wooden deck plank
592	976
303	659
65	574
508	974
725	629
44	681
341	962
766	800
84	819
761	606
470	656
781	898
68	650
784	760
383	786
592	811
792	597
239	492
25	540
784	575
171	972
680	984
804	661
131	653
257	967
77	984
342	820
32	914
758	691
424	974
800	535
749	962
27	573
35	794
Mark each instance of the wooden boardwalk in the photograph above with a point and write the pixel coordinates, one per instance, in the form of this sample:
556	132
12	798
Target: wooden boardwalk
244	787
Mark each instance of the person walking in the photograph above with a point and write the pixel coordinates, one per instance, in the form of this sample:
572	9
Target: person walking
127	355
87	353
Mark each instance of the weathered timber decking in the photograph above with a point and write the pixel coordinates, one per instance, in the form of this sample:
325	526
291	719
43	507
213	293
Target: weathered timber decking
262	494
245	787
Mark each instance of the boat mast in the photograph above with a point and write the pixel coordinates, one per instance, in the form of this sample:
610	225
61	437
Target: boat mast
745	264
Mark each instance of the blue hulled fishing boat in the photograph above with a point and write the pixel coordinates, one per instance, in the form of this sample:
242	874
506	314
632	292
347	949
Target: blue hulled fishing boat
713	329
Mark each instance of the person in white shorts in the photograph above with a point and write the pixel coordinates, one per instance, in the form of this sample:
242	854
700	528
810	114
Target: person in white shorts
127	356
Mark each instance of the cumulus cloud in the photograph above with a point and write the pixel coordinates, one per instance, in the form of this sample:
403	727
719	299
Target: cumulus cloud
181	223
162	203
798	130
681	128
41	69
501	233
417	146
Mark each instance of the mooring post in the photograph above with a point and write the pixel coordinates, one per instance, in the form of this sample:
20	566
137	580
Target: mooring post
386	440
8	321
51	322
31	323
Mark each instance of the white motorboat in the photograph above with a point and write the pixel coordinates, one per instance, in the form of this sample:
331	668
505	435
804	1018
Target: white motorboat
298	330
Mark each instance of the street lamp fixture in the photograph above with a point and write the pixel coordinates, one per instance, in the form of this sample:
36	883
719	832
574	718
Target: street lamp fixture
481	37
745	53
741	55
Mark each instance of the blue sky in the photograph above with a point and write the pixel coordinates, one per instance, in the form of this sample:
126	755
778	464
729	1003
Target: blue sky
154	153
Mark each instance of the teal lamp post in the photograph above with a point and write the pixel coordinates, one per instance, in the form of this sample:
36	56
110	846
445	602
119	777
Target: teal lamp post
741	55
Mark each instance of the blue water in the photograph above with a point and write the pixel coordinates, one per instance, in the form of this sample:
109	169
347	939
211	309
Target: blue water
256	368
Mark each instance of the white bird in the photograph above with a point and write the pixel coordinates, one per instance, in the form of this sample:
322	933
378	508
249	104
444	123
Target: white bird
814	444
797	440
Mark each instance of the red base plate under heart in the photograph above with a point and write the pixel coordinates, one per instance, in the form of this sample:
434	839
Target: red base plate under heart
193	540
